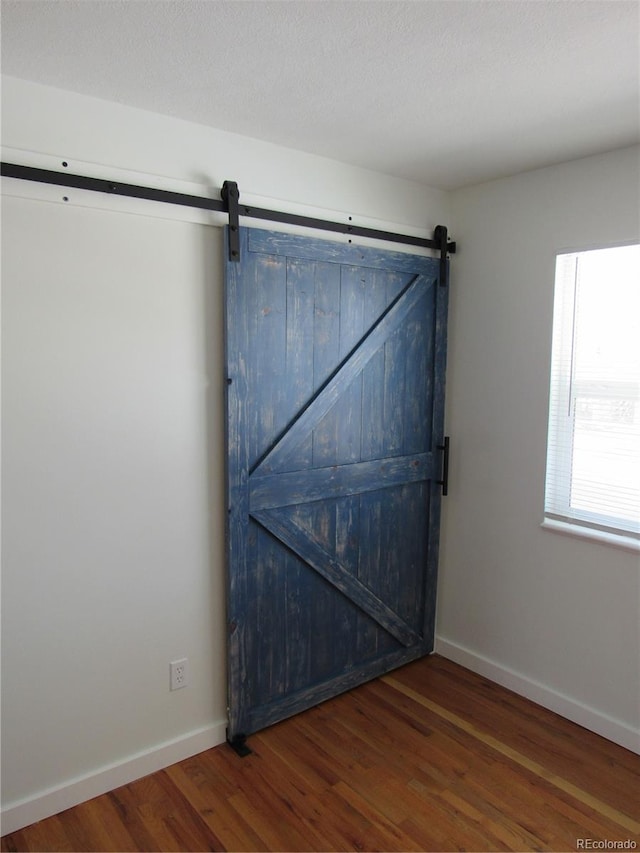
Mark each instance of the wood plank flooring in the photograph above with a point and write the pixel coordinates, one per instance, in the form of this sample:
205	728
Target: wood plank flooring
430	757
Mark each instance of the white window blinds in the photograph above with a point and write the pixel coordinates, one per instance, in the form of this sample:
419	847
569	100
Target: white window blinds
593	449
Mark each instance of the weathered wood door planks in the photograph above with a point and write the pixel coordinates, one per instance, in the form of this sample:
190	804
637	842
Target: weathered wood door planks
335	359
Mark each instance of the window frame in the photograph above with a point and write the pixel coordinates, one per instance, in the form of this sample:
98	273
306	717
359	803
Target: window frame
559	516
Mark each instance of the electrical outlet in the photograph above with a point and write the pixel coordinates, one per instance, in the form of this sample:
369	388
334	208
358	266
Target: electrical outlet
178	673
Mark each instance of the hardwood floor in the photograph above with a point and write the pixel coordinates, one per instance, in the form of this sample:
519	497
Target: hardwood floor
430	757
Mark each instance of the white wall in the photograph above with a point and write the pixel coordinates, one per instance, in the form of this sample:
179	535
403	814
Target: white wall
113	553
113	449
557	618
113	489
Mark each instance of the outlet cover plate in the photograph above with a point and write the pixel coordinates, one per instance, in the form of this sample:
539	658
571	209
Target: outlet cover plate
178	674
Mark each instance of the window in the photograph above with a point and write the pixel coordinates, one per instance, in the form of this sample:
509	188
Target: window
593	448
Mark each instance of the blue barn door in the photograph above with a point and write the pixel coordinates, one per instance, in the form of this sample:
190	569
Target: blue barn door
335	359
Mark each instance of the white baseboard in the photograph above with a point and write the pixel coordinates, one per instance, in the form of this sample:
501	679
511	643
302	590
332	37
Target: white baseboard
590	718
54	800
46	803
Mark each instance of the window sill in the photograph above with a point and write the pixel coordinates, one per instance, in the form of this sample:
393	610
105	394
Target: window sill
617	540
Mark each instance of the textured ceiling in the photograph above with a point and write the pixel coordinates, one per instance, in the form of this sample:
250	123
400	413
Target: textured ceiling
446	92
